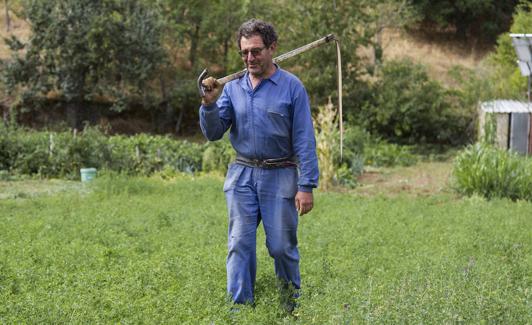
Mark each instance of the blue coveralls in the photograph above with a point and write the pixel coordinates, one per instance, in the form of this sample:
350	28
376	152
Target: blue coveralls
271	121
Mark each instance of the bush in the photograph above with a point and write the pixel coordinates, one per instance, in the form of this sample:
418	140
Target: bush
409	108
505	79
485	170
383	154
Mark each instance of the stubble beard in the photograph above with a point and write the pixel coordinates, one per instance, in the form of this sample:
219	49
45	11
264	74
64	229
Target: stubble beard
259	71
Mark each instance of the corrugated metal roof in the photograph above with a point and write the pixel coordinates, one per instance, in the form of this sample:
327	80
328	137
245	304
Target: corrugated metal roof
506	106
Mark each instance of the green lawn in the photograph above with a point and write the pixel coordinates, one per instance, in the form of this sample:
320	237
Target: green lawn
138	250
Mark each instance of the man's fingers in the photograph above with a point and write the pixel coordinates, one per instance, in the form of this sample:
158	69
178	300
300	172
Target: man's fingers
304	202
212	91
210	84
305	209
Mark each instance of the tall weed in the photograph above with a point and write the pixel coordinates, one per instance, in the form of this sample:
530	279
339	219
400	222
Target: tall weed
326	122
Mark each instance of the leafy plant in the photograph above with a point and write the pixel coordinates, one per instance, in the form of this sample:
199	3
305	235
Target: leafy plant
62	154
491	172
217	156
505	78
379	153
408	108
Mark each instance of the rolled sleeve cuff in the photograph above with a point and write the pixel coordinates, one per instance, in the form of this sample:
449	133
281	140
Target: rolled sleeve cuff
209	108
302	188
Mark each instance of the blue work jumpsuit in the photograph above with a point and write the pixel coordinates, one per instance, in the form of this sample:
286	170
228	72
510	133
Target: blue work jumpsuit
271	121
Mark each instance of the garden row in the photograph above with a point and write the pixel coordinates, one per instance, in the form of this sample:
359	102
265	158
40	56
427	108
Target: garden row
480	169
62	154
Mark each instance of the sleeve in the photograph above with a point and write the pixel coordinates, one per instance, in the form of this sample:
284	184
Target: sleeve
216	119
304	141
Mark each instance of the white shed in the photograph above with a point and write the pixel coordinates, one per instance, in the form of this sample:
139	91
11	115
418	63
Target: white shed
513	121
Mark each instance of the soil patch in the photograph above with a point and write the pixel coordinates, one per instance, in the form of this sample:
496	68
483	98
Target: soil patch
423	179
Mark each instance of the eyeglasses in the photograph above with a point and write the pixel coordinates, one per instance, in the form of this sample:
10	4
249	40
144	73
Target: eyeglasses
254	52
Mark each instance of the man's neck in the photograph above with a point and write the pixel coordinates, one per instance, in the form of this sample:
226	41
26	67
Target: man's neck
255	80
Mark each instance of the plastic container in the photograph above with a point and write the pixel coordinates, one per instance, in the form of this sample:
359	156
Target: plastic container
87	174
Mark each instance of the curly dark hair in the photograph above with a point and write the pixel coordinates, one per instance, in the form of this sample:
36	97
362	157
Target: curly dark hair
257	27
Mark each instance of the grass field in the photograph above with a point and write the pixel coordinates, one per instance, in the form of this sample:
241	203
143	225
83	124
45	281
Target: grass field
138	250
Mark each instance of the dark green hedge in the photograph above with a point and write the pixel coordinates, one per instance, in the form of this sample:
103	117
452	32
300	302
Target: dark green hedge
62	154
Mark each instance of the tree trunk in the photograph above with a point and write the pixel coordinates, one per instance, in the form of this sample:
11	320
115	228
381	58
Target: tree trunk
169	113
73	114
194	40
179	120
8	19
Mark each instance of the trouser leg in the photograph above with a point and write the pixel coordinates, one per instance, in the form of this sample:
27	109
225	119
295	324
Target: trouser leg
243	211
276	191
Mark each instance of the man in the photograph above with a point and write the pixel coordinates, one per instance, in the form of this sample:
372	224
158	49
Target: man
271	130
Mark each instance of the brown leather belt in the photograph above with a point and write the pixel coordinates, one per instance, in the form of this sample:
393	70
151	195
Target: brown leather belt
266	163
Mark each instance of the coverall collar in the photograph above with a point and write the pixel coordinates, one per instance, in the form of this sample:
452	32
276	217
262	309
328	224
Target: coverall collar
275	78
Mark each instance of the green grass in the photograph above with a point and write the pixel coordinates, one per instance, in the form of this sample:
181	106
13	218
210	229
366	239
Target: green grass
138	250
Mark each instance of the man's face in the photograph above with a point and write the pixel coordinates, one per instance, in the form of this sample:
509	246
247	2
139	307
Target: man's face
256	56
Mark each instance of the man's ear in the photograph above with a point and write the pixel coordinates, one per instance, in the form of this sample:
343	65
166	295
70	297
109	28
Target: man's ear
273	47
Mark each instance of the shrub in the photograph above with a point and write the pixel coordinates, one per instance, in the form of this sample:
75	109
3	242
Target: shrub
409	108
352	163
505	79
217	156
62	154
485	170
380	153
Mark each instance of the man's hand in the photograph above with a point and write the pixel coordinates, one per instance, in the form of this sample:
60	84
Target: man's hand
212	91
304	202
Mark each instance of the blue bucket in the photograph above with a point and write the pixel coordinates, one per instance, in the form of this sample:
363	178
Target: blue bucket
87	174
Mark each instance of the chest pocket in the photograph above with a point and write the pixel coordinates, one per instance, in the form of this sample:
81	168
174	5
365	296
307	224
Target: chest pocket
279	118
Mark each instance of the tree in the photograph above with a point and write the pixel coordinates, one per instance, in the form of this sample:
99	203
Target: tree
200	34
85	50
506	80
389	14
484	19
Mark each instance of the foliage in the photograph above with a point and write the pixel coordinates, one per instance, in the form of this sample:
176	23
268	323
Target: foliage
505	78
485	170
351	165
149	53
62	154
349	21
217	156
379	153
484	19
359	149
200	34
407	107
142	250
86	50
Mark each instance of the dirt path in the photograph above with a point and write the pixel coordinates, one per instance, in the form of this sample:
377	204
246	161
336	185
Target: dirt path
426	178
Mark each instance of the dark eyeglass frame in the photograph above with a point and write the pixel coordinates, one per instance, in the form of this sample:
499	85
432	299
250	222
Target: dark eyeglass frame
254	52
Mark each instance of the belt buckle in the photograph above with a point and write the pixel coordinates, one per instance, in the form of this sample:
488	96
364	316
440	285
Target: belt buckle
257	162
268	164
